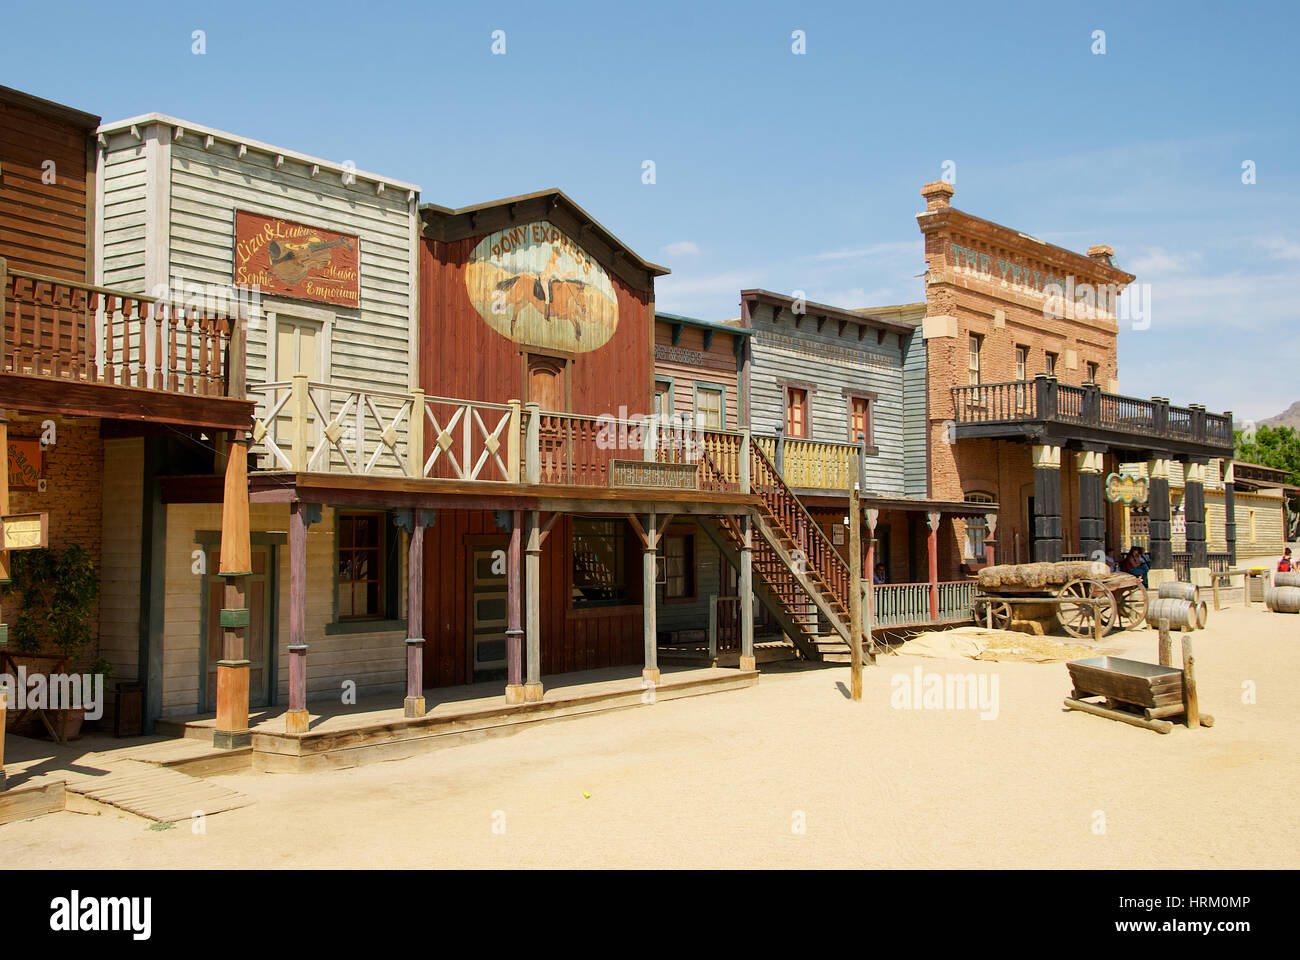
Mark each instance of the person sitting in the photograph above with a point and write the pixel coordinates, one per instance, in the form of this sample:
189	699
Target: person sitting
1112	562
1137	563
1286	564
878	574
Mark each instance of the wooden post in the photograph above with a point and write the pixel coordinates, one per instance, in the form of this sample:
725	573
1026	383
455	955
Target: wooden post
4	508
236	357
236	565
855	583
743	459
4	290
1192	707
1214	585
932	548
1166	655
745	587
532	601
413	705
415	437
514	629
298	405
533	446
650	673
869	574
513	440
296	719
713	627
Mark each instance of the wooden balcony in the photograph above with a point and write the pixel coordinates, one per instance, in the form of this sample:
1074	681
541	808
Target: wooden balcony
308	427
1051	412
813	465
80	350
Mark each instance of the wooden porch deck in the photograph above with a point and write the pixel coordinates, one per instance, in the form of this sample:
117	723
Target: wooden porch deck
375	728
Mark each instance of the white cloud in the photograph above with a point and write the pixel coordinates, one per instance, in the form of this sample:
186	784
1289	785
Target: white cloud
893	248
1157	260
681	248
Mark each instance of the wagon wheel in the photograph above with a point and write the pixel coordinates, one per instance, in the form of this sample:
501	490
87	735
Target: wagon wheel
1132	607
1077	617
1001	612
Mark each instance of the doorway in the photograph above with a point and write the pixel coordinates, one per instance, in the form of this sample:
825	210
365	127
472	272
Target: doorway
547	382
487	605
259	639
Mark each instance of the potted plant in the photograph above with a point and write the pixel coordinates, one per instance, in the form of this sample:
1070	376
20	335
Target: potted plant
56	592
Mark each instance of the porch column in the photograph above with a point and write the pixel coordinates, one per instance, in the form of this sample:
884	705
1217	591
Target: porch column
869	574
514	618
746	590
1162	556
932	548
649	553
1092	504
236	565
4	554
1194	511
296	719
1047	503
1230	512
533	602
414	705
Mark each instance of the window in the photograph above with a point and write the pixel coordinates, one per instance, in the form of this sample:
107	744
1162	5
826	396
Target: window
599	562
976	342
977	528
1022	363
1092	372
361	592
708	407
796	412
663	400
1049	367
679	567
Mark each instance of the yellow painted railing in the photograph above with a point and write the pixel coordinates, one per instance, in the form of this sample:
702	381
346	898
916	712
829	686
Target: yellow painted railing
811	464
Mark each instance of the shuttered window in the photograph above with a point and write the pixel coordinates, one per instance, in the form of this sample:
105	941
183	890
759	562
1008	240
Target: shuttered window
796	413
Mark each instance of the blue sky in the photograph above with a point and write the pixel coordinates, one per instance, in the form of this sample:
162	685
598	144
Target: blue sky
790	172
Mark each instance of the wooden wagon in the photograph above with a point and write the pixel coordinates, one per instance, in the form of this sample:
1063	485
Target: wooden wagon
1089	600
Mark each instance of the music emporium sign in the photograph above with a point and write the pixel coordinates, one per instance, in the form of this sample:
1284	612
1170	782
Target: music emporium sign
289	259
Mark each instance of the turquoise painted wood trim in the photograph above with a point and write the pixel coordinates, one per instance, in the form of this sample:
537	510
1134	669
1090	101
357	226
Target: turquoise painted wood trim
715	387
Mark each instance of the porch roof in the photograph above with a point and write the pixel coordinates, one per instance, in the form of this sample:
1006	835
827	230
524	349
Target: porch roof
955	508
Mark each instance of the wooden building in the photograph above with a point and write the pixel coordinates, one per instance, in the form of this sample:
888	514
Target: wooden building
88	369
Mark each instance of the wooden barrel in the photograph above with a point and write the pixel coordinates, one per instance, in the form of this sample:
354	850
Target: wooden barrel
1288	579
1283	599
1202	615
1181	614
1176	590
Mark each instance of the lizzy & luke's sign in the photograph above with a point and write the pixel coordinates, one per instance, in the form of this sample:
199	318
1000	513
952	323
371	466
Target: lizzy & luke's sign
288	259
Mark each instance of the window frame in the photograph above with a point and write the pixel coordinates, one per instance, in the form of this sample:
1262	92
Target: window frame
711	387
975	359
690	573
389	570
623	536
1050	361
976	527
1022	362
871	399
788	390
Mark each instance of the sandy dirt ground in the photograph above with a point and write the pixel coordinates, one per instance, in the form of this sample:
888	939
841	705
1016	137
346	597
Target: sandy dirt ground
791	773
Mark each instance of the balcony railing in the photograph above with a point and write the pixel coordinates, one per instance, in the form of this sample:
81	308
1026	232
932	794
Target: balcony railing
1045	399
811	464
63	330
908	604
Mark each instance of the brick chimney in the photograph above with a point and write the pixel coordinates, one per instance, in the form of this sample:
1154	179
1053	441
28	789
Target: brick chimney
937	194
1102	253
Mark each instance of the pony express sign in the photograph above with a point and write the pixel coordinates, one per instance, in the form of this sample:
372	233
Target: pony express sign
283	258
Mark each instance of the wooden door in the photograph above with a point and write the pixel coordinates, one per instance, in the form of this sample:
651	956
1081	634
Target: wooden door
487	604
546	383
258	645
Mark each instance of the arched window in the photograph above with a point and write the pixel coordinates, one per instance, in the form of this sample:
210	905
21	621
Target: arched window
977	528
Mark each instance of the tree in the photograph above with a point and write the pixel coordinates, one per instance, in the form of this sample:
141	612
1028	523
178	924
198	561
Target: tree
1276	447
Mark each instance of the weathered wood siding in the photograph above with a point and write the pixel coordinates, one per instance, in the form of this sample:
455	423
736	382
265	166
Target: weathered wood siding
169	214
119	598
715	367
462	356
375	662
570	639
915	461
693	614
43	226
831	363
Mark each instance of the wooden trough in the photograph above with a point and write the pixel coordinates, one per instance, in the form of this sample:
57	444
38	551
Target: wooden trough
1142	694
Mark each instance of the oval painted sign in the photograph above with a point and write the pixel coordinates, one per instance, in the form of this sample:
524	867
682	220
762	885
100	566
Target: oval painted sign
1125	489
534	285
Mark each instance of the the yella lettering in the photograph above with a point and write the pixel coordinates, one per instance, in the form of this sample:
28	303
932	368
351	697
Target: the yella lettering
76	913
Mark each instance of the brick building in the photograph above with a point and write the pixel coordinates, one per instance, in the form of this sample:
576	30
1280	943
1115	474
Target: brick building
1023	404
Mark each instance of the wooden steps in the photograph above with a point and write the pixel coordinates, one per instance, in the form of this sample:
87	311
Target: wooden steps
156	793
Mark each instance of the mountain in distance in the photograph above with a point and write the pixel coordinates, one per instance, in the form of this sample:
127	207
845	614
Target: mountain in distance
1290	417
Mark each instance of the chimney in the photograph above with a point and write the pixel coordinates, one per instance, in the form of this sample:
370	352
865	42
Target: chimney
1102	253
937	194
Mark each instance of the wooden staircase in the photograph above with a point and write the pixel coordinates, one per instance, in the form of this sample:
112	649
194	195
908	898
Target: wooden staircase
798	574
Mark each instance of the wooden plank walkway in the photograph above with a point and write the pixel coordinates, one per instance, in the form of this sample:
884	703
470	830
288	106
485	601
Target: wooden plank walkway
156	793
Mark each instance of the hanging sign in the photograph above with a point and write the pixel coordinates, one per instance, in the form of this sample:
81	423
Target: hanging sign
26	464
290	259
1124	489
24	531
